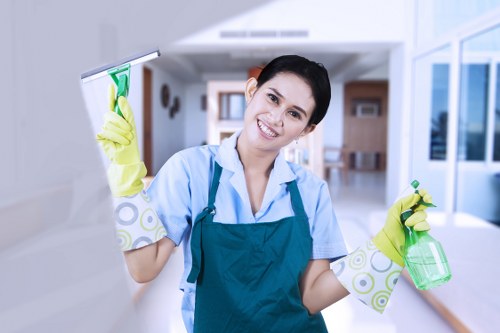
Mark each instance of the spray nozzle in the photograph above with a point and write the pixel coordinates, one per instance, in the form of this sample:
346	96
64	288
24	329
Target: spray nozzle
407	213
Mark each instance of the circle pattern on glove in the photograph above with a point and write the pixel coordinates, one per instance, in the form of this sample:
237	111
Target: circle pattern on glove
124	239
380	299
338	269
380	262
144	196
149	220
141	242
363	283
160	232
370	246
392	279
126	213
358	259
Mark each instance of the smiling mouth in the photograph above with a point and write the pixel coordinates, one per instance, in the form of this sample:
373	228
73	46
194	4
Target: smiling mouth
266	130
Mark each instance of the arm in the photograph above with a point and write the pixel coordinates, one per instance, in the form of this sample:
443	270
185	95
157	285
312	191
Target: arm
370	272
145	263
140	233
320	287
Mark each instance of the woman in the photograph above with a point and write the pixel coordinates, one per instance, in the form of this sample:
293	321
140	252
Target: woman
259	233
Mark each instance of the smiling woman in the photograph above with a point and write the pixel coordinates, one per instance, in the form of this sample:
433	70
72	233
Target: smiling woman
278	112
258	232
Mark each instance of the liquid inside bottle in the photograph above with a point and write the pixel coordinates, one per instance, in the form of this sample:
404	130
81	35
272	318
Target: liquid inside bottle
425	260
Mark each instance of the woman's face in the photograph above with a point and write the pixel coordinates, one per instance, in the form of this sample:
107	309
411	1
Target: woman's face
278	111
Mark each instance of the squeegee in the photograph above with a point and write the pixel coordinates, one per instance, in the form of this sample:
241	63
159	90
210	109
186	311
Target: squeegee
120	72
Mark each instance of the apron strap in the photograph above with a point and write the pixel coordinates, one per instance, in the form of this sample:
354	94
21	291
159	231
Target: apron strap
297	205
214	187
196	251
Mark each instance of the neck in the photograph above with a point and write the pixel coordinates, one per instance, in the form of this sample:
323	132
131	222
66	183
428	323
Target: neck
254	160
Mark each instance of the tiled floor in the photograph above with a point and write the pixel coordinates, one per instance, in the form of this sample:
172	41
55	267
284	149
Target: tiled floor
160	311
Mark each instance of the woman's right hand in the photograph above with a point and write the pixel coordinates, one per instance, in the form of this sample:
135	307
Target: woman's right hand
118	140
118	137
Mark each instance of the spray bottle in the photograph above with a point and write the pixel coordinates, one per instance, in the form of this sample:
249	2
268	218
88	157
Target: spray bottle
424	256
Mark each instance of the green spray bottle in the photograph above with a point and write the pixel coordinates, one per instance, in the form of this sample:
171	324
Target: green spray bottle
424	256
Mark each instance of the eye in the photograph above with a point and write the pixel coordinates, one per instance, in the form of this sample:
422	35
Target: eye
273	98
295	114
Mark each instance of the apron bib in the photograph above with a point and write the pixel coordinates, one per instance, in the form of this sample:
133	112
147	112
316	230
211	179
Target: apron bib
247	275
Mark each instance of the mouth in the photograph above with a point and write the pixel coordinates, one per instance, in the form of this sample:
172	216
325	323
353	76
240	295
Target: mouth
267	131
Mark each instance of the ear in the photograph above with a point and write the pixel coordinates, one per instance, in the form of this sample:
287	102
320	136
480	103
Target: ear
250	88
308	130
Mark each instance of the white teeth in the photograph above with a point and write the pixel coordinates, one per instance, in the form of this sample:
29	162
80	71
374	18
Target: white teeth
266	130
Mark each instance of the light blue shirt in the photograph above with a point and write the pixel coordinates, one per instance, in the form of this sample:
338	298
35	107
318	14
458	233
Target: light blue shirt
179	193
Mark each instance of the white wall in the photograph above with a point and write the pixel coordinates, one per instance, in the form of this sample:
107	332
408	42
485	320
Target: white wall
333	134
398	124
196	119
168	133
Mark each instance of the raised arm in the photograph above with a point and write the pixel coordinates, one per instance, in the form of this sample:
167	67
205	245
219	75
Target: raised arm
140	232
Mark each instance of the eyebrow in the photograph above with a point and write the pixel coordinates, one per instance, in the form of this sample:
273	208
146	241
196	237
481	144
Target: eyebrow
283	97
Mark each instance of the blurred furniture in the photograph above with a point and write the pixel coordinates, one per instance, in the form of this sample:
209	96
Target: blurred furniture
365	124
336	158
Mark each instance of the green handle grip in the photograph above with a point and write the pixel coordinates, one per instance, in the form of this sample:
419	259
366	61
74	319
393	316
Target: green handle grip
121	77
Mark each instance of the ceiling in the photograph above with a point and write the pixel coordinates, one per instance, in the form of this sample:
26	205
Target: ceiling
193	65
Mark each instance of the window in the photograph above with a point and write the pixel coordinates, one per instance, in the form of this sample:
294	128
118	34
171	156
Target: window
496	140
232	105
473	112
439	111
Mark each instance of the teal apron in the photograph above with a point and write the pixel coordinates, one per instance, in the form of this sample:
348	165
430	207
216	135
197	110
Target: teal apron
248	275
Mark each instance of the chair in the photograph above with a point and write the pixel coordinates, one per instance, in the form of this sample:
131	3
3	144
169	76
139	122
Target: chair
336	158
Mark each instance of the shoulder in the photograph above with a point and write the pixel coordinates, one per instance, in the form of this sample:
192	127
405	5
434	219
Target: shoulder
198	154
190	160
305	177
194	156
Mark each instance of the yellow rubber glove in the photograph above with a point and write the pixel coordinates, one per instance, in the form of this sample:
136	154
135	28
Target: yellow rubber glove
119	142
391	239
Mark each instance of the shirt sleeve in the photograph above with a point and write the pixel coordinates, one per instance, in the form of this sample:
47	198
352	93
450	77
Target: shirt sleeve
170	196
328	242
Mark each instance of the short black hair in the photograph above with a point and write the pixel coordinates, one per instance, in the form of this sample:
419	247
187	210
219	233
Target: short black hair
313	73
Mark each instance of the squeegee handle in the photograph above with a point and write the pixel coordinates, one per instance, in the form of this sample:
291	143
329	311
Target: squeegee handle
120	76
122	91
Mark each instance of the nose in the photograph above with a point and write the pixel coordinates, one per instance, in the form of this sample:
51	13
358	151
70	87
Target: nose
275	117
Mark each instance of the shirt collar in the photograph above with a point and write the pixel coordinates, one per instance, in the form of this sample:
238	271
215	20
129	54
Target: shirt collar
228	159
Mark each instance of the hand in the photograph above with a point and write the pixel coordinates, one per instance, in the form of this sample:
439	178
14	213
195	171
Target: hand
119	142
118	137
391	239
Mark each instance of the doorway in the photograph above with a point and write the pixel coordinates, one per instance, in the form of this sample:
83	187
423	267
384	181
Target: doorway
365	124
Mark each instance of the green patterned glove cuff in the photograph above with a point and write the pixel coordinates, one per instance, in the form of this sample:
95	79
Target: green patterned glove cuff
369	275
137	224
